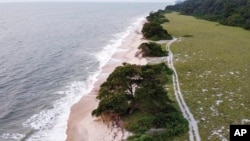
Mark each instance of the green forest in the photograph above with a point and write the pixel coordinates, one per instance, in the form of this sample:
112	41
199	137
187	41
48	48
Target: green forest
226	12
138	96
153	30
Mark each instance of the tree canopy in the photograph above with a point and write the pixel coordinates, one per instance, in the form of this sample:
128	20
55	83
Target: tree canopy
157	17
152	50
124	88
227	12
155	31
138	95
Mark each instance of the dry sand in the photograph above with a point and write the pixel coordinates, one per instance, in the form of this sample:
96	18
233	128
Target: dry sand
81	125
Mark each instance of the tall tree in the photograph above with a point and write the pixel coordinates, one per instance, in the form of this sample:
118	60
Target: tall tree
132	87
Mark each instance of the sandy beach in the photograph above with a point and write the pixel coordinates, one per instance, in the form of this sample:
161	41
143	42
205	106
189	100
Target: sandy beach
81	125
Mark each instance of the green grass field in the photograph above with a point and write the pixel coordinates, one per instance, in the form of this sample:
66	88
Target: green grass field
213	64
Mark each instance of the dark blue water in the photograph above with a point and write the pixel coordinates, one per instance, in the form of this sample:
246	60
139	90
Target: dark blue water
49	56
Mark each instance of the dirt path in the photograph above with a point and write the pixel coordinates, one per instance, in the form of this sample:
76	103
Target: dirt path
193	127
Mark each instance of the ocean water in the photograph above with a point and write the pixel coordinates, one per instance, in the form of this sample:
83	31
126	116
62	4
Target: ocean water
50	54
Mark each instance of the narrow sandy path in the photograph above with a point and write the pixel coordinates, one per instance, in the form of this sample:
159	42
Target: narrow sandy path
193	127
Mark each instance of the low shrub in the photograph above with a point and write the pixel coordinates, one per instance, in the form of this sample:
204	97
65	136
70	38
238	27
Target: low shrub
152	50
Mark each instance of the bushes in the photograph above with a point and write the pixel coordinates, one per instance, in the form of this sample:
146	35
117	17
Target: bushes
152	50
157	127
141	137
154	31
157	17
173	122
140	124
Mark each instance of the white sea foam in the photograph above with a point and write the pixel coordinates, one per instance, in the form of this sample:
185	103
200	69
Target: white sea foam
13	136
51	124
105	55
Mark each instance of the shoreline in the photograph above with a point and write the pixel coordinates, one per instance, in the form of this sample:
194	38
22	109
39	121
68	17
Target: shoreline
81	125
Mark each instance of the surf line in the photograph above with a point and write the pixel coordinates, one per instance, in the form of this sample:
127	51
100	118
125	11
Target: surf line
193	127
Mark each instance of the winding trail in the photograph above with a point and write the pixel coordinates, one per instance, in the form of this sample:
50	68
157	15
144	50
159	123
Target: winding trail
193	127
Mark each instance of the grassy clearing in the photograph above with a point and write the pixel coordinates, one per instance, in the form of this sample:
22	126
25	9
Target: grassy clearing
212	62
163	47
